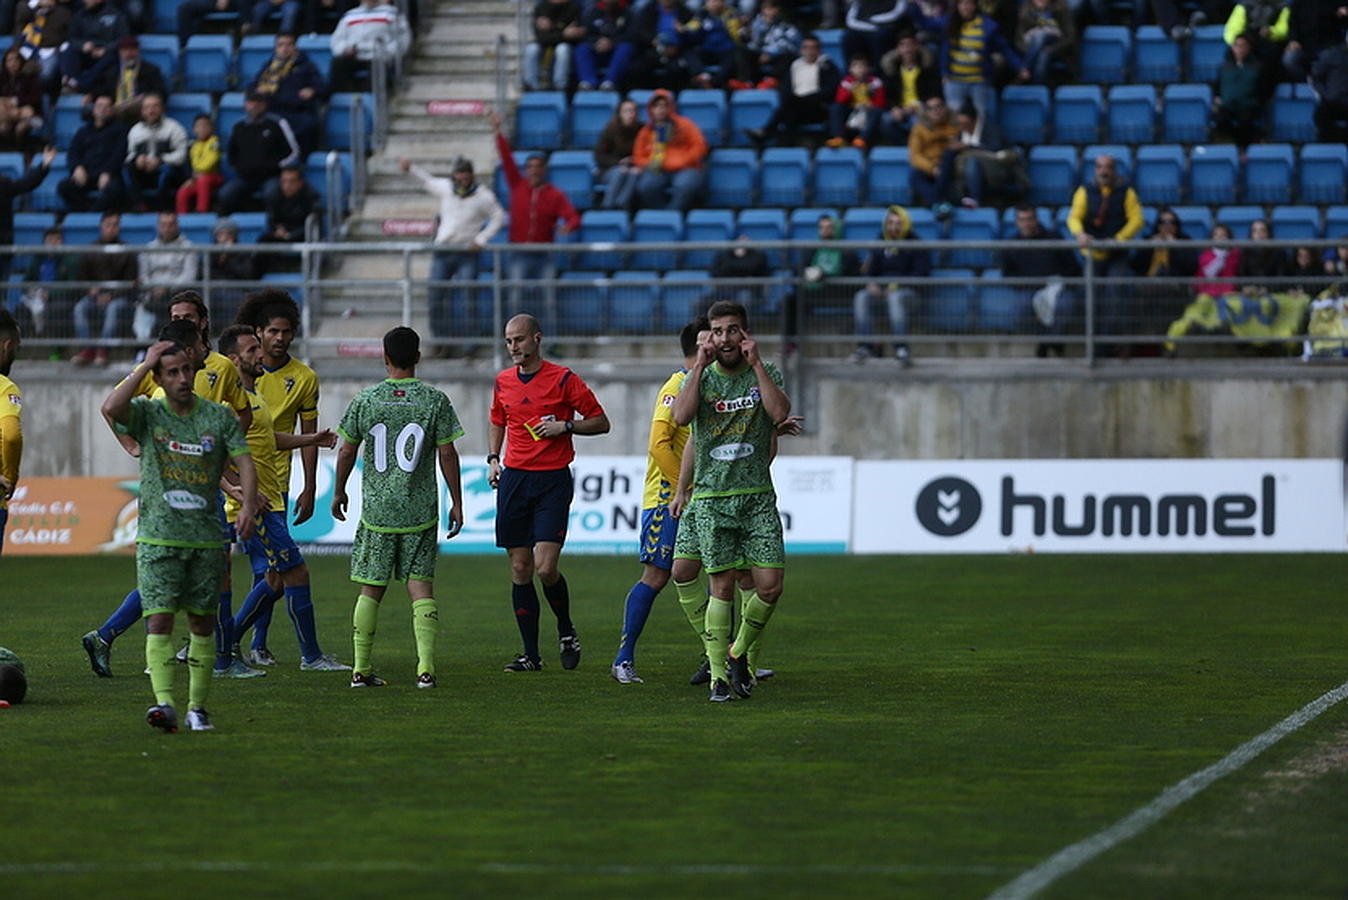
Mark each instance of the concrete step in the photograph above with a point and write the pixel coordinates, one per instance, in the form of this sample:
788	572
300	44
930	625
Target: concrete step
432	88
481	68
468	31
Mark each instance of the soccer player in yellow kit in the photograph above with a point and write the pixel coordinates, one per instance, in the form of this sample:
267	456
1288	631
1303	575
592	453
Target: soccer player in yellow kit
11	405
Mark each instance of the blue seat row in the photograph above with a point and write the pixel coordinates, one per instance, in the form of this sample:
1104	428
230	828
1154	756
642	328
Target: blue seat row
1113	54
137	228
544	120
209	62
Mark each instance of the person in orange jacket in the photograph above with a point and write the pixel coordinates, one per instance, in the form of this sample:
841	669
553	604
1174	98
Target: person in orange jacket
669	151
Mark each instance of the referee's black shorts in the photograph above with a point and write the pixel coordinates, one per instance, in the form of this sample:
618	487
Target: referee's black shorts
533	506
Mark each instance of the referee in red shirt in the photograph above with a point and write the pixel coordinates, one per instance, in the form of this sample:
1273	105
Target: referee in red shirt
536	407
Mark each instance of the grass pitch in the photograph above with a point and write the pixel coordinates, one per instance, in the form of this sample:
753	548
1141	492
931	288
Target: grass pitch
938	726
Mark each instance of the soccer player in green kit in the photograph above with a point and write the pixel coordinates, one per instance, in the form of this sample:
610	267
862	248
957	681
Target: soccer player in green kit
186	443
407	426
734	401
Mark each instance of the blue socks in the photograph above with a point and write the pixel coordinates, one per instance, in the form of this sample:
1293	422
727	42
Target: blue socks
224	630
257	604
639	601
128	614
301	610
525	600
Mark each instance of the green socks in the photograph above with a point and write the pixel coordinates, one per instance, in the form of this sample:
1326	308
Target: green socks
362	632
693	602
716	634
425	622
745	596
200	666
752	622
159	660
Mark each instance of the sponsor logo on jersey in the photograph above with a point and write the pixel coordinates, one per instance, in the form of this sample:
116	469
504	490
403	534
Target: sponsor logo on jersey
187	449
208	442
16	400
184	500
212	377
290	384
749	401
667	400
731	452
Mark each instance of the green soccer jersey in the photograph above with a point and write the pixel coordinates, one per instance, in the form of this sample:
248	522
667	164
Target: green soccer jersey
181	460
732	434
396	420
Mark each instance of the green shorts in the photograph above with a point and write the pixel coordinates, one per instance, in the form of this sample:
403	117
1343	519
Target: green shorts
743	531
173	579
378	557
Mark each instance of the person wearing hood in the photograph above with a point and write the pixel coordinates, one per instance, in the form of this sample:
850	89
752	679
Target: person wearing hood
818	278
669	150
470	216
894	269
613	156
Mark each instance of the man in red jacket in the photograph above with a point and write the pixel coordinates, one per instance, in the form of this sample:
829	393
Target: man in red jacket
539	213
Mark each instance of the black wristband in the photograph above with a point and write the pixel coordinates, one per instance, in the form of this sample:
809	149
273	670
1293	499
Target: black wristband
570	425
493	457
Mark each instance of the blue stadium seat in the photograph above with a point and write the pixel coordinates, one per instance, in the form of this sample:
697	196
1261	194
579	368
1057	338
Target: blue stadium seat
1336	222
573	172
707	110
252	225
925	224
749	109
632	302
318	47
1212	173
1156	58
28	226
1207	50
1196	221
663	226
80	228
138	228
803	223
768	224
887	176
732	177
1053	174
706	225
1185	111
207	62
1295	223
337	123
1077	109
1001	307
316	172
1269	172
642	98
67	118
1123	160
1238	218
1024	111
838	175
947	307
830	44
590	111
682	297
186	106
44	196
162	50
1132	113
1105	53
863	223
582	302
254	52
227	115
1292	114
783	173
973	225
1160	173
1324	169
603	225
540	120
11	164
197	226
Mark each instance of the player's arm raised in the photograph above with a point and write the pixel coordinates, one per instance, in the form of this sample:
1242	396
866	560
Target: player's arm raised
117	406
775	402
449	469
685	405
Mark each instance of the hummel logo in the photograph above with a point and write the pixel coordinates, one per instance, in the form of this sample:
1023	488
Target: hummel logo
948	506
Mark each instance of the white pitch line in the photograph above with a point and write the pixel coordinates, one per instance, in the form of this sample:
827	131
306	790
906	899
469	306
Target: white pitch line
1031	881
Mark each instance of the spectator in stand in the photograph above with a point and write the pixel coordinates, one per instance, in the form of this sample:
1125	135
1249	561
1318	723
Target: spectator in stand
895	271
978	163
1336	261
613	156
969	40
739	261
94	32
20	100
10	190
871	27
46	311
660	31
1107	208
603	58
1055	304
322	16
770	46
289	202
191	15
204	157
162	273
804	96
674	65
127	79
1240	95
1313	27
911	78
1261	267
716	41
259	147
41	29
927	143
470	217
1160	302
226	266
1309	270
857	106
539	213
373	30
1329	77
1047	35
289	12
96	157
156	157
670	151
1217	265
1266	24
106	307
294	90
818	279
547	58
